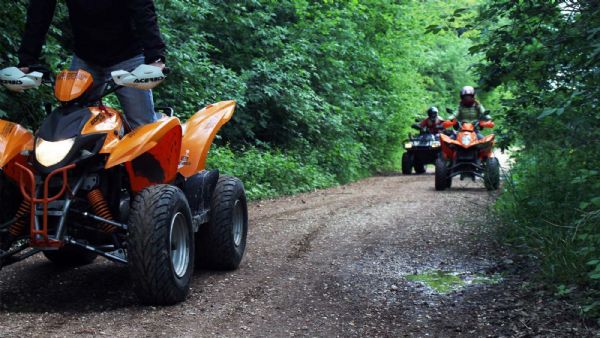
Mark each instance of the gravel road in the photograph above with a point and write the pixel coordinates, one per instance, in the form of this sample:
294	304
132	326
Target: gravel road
327	263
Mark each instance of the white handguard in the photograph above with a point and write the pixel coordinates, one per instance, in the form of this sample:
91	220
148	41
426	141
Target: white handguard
143	77
17	81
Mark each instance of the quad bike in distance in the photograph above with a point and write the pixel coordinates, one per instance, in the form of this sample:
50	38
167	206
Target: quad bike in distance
86	185
467	156
420	150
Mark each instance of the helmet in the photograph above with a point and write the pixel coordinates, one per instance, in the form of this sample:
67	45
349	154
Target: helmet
432	112
467	90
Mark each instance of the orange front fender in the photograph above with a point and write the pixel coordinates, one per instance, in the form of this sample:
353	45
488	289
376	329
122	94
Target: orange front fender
150	153
13	140
198	134
140	141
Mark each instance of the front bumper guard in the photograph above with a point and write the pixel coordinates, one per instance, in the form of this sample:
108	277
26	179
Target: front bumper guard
39	237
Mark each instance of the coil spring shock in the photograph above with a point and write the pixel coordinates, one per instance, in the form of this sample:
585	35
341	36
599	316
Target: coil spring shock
101	209
18	227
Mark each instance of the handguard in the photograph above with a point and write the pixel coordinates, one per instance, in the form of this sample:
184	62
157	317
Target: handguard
143	77
17	81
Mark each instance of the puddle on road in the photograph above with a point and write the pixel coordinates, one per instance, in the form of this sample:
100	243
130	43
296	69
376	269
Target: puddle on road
449	281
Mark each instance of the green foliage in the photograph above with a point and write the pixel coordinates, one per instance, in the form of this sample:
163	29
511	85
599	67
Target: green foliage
270	173
334	83
545	53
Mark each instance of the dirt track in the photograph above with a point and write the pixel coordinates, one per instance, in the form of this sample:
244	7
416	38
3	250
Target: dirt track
327	263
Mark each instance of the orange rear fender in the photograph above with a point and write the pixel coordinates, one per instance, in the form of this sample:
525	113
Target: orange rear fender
13	140
488	138
198	134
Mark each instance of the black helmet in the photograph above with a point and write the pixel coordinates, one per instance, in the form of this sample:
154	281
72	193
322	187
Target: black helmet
432	112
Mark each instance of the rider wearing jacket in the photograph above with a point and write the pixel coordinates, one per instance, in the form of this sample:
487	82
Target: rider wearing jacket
108	35
469	109
432	122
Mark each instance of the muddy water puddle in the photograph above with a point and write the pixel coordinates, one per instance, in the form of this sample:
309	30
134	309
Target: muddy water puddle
444	282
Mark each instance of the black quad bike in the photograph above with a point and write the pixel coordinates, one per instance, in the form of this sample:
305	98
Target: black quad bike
420	150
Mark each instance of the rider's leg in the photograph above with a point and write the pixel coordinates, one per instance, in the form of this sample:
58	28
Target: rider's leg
97	73
137	104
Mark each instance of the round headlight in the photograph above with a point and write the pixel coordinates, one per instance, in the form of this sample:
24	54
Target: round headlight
408	145
50	153
466	139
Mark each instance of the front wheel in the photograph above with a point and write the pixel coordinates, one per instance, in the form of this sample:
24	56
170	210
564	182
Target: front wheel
407	163
160	245
491	176
441	175
222	241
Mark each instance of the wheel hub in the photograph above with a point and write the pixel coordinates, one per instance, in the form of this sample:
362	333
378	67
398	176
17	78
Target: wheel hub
180	245
238	222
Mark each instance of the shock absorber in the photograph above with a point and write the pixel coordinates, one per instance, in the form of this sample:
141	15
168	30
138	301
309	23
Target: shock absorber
101	209
18	227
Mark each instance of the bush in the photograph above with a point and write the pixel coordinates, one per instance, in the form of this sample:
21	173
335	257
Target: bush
551	210
268	173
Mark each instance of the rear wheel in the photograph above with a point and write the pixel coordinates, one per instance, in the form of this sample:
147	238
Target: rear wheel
222	241
70	256
407	163
160	245
491	176
441	175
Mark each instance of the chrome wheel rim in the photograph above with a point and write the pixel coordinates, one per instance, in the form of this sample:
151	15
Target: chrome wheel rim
179	239
238	223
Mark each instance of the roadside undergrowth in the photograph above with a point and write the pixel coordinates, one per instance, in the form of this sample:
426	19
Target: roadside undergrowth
551	213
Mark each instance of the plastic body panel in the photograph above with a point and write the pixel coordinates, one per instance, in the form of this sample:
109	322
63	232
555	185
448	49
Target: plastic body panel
13	140
150	153
105	120
198	134
70	85
484	145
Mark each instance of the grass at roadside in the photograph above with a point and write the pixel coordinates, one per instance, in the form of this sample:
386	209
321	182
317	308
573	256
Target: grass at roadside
550	211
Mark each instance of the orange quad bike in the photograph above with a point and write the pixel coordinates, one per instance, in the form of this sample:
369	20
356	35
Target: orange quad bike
86	185
467	156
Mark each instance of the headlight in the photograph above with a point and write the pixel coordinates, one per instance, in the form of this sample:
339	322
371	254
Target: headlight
50	153
435	144
408	145
466	139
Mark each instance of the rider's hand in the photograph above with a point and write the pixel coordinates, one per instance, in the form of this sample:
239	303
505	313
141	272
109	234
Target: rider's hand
158	64
25	70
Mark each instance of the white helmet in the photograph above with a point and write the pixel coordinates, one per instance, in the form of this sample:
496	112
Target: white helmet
467	90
